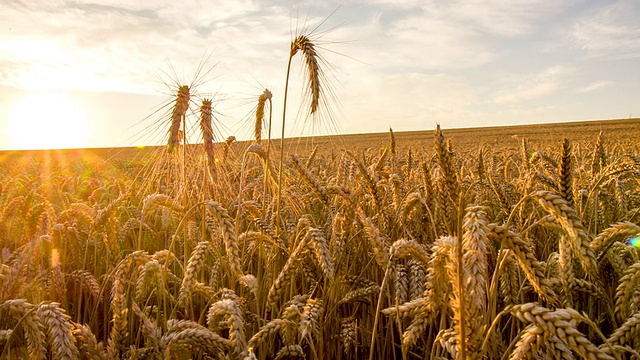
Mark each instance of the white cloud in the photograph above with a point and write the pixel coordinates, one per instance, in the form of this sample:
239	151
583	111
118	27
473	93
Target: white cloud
425	100
496	17
610	31
594	86
433	44
122	45
528	87
453	35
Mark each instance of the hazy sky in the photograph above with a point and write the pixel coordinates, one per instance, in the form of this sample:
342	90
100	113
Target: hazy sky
407	64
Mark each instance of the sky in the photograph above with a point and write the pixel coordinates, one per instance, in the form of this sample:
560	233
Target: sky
94	73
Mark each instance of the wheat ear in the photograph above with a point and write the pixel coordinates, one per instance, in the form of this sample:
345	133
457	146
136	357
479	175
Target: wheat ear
217	212
230	310
627	290
278	286
559	323
177	115
89	346
191	335
32	325
565	173
59	331
567	217
622	230
627	333
259	123
206	117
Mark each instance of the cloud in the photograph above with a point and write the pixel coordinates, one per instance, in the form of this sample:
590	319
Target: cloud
494	17
527	87
436	36
433	44
122	45
594	86
119	45
611	31
425	100
405	63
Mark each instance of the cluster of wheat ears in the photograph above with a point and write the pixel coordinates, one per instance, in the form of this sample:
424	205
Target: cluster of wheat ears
200	252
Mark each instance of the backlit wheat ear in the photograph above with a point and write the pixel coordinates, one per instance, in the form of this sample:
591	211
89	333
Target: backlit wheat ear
348	334
227	147
321	250
266	331
177	116
377	240
524	153
191	335
290	352
207	131
626	333
303	44
89	346
289	269
149	281
409	248
262	104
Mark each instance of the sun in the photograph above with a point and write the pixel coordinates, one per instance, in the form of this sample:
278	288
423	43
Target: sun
47	120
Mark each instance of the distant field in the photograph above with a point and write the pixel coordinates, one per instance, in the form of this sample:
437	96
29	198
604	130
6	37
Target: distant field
539	136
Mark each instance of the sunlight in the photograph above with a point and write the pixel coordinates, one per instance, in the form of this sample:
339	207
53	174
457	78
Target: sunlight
47	121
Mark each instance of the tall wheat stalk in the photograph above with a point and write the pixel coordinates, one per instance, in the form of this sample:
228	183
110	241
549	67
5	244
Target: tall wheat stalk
265	99
301	43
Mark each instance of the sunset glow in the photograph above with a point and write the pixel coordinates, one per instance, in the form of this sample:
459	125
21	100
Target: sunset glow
47	121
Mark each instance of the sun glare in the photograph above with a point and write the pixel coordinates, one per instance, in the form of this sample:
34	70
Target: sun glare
47	121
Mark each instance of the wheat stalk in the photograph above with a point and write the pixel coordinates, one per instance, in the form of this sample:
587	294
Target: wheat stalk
300	44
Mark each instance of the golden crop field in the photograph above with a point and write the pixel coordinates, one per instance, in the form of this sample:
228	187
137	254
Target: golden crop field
518	242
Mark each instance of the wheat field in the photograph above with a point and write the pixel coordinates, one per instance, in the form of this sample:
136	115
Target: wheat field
377	253
523	247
